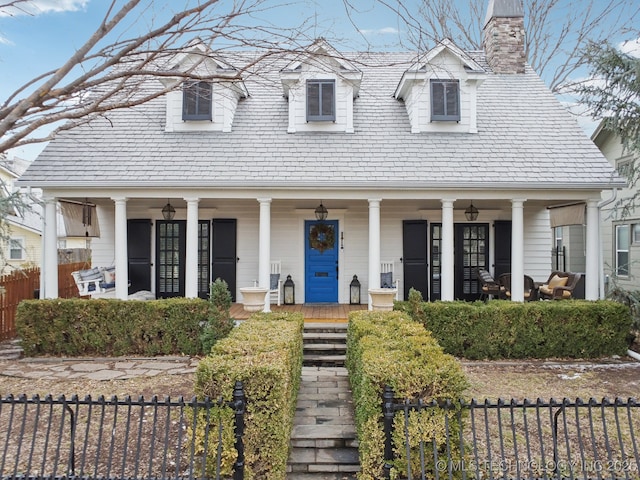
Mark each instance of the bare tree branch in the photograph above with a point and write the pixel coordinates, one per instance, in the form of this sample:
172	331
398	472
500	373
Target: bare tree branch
108	70
558	31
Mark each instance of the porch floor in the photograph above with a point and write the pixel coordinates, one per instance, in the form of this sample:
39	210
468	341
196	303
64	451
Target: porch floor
312	313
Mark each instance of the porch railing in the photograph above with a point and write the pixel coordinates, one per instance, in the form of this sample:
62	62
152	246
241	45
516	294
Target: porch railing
115	439
518	440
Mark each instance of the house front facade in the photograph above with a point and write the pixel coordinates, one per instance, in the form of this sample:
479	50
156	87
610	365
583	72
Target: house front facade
430	164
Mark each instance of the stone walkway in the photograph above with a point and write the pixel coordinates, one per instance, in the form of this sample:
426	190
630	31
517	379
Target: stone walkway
97	368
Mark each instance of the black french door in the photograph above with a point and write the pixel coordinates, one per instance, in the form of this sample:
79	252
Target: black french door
170	258
471	251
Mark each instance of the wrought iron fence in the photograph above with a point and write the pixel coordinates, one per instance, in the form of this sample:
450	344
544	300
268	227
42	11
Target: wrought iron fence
117	439
512	440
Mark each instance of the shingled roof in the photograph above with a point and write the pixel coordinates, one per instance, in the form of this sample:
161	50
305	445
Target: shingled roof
525	139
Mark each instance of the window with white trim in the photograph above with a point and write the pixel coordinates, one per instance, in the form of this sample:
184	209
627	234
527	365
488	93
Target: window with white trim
321	100
625	167
445	100
16	248
635	233
622	250
197	101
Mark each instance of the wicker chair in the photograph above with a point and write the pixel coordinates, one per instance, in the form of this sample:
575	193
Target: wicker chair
530	291
488	286
560	285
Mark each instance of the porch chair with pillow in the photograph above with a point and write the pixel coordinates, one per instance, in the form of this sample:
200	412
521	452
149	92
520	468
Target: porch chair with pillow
530	292
489	288
560	285
386	277
275	282
95	280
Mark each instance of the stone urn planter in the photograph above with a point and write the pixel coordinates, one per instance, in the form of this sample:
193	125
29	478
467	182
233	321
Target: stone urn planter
253	298
382	298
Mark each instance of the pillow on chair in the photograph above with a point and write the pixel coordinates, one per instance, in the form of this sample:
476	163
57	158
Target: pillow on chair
557	281
386	280
91	274
110	275
274	278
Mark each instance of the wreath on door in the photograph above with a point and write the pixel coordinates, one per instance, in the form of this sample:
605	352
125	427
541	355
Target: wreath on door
322	237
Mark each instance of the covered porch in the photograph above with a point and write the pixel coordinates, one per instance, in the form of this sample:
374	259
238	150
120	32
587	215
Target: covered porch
426	236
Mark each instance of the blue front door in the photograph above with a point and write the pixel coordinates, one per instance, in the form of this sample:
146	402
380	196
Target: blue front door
321	261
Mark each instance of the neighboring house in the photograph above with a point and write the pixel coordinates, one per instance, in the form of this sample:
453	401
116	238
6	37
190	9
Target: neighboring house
437	162
620	225
22	243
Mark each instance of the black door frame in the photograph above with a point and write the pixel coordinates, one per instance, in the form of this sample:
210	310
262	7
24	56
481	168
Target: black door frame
471	251
170	258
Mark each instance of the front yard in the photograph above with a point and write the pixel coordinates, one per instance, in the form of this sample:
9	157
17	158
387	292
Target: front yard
532	379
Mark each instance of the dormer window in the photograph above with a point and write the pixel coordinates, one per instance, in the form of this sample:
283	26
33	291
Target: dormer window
445	100
197	101
321	100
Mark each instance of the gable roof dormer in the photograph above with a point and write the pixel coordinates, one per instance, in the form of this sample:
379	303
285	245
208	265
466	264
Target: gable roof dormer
215	89
447	77
321	86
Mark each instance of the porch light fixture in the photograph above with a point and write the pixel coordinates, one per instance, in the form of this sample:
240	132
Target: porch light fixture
321	212
354	291
289	291
471	213
168	212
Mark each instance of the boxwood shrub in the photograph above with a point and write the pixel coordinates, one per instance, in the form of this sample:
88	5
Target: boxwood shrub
388	348
265	353
544	329
110	327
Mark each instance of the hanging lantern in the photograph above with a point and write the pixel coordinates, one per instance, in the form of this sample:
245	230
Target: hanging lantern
168	212
471	213
354	291
321	212
289	291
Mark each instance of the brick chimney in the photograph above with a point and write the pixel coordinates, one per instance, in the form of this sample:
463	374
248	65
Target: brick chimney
504	36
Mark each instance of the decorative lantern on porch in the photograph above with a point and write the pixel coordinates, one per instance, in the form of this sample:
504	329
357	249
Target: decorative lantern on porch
289	291
354	291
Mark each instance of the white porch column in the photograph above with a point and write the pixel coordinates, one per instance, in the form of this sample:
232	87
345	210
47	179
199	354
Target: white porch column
264	249
191	260
517	250
374	246
592	281
50	257
447	291
122	260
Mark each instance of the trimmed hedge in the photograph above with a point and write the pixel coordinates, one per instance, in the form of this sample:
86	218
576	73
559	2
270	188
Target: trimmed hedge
504	329
388	348
265	353
110	327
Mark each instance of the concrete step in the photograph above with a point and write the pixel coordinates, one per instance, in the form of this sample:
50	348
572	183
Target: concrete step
326	360
323	440
325	344
325	327
10	350
324	337
321	476
325	347
323	461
